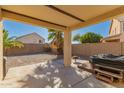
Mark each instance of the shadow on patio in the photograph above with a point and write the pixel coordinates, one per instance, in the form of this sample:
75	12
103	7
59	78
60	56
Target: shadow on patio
53	74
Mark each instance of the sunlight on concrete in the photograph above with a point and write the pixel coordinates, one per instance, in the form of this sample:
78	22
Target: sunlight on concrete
49	74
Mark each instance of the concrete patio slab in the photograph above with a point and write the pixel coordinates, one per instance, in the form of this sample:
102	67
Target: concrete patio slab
92	82
46	74
51	74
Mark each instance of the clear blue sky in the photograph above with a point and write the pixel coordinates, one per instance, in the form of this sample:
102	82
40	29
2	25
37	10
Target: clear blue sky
19	29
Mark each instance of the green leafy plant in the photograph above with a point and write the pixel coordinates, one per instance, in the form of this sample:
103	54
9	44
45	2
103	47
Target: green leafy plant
89	37
10	42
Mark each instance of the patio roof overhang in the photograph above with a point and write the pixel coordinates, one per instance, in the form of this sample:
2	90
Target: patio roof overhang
61	17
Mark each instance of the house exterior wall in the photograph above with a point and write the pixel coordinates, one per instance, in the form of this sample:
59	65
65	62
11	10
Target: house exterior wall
116	33
116	48
115	27
122	37
31	39
122	26
122	48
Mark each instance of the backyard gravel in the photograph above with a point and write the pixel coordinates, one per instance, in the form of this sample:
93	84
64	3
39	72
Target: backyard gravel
14	61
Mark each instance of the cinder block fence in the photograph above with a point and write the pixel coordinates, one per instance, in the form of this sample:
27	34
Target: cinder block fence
27	49
115	48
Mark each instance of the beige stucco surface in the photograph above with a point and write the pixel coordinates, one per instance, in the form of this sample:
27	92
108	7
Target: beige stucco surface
122	37
51	15
116	33
31	39
67	48
115	27
1	49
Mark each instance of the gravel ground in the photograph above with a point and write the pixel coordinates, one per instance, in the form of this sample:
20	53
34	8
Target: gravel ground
14	61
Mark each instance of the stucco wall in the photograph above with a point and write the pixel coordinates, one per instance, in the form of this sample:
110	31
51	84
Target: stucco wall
122	37
115	28
27	49
31	39
115	48
122	26
122	48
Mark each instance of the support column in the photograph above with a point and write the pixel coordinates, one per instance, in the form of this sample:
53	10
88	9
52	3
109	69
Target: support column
1	48
67	48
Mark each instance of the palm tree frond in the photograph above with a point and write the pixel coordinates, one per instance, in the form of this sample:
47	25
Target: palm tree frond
51	36
10	42
56	38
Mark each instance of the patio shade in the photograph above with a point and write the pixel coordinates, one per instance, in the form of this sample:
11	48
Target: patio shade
61	16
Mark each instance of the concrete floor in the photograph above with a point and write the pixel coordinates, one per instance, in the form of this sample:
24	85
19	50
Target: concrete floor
50	74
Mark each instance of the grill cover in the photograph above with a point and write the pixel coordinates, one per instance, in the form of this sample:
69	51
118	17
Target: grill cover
109	60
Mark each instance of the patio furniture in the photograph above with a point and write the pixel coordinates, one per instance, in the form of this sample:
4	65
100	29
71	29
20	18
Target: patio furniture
108	67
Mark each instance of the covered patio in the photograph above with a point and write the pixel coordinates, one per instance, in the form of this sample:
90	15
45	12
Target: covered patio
61	17
49	74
